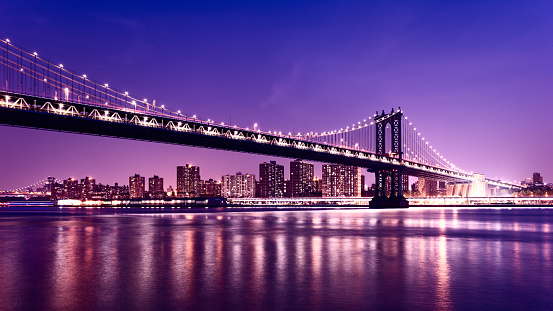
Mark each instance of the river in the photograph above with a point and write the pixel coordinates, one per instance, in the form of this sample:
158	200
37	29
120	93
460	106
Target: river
412	259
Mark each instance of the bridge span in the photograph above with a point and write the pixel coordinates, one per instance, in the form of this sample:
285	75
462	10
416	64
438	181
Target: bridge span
38	94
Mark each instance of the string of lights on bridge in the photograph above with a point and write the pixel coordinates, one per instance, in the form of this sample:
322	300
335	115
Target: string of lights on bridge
37	184
40	77
75	84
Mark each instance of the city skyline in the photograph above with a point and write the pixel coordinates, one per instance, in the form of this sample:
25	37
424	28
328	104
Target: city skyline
473	105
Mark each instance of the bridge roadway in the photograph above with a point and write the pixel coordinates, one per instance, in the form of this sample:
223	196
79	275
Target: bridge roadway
128	123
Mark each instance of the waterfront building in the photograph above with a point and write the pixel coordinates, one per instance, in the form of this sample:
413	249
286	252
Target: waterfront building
301	178
136	187
171	192
537	179
57	191
155	187
341	181
188	181
238	186
317	186
427	187
351	181
88	185
71	189
50	181
271	180
210	188
119	192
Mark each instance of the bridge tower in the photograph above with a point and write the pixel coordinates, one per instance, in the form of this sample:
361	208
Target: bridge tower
396	199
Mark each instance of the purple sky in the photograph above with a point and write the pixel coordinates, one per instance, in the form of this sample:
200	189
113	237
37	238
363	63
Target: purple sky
474	77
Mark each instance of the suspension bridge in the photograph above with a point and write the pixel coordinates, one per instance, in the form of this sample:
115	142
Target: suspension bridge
36	93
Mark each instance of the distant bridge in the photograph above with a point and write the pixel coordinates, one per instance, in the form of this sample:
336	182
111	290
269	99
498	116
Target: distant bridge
36	93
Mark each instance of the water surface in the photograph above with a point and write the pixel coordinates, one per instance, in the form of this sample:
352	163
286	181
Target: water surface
431	259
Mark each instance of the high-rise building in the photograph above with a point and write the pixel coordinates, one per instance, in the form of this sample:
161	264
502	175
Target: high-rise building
50	181
331	181
238	186
136	187
341	181
87	187
188	181
537	179
271	180
351	181
57	191
317	186
427	187
71	189
301	178
155	187
210	188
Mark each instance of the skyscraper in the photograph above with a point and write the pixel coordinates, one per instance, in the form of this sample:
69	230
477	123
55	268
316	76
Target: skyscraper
301	178
136	187
87	187
351	181
537	179
271	180
188	181
341	181
71	189
238	186
155	187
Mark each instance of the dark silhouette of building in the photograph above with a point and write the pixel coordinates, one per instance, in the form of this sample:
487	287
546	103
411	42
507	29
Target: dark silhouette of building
301	178
88	185
71	189
155	187
427	187
271	180
188	181
341	181
537	179
238	186
136	187
210	188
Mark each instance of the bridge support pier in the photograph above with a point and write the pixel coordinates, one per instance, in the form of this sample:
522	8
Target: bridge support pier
396	199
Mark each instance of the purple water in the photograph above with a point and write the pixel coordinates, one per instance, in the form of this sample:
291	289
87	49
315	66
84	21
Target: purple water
432	259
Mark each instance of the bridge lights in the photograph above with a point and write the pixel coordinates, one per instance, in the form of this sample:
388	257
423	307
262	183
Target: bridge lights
8	41
84	77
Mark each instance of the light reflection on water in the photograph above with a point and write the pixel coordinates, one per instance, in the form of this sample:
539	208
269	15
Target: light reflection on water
442	259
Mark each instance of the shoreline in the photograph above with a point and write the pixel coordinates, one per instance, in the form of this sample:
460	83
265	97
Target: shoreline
60	210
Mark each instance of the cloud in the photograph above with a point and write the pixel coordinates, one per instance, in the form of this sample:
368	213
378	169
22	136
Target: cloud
281	89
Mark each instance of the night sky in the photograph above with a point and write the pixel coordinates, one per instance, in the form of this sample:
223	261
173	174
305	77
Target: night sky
474	77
